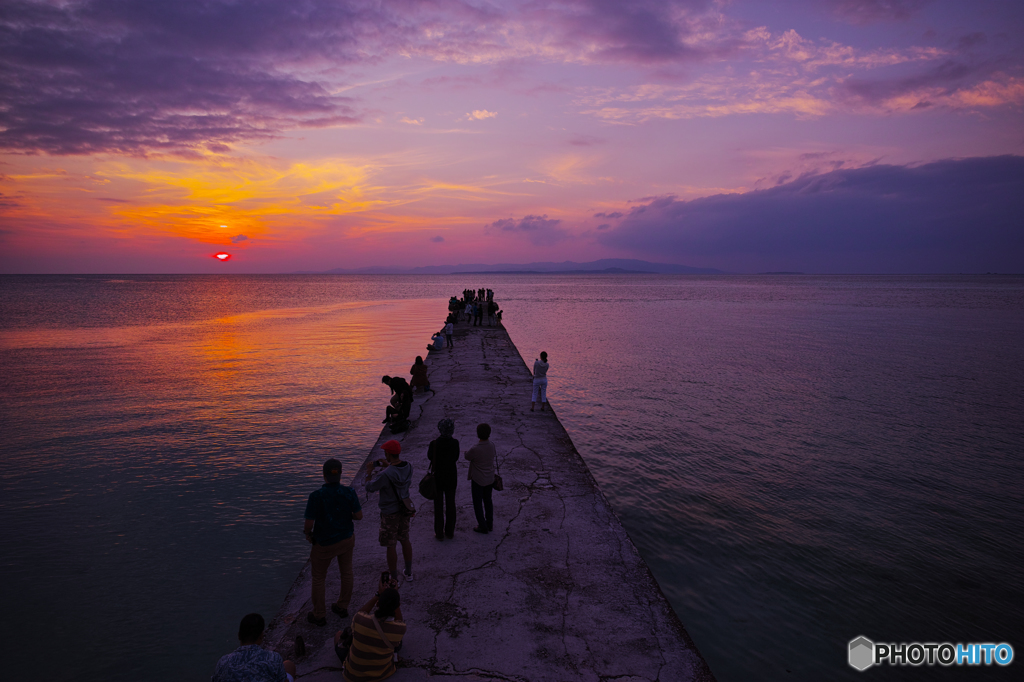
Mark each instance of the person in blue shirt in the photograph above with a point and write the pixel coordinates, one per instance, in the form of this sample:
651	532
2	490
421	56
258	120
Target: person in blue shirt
250	662
329	515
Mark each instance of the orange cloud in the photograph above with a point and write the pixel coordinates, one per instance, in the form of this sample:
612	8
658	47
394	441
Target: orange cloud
213	198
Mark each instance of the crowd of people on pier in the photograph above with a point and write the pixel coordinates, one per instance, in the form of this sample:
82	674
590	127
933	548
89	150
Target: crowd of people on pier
477	307
368	647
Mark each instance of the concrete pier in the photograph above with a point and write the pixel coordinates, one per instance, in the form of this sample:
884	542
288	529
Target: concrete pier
556	592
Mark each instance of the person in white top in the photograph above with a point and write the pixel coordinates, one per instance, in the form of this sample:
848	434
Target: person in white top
449	329
540	382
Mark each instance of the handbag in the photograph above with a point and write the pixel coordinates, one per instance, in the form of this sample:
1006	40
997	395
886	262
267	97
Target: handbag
428	486
498	484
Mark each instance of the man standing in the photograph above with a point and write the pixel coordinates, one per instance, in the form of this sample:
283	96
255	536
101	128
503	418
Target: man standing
393	483
250	662
481	476
449	329
329	515
443	453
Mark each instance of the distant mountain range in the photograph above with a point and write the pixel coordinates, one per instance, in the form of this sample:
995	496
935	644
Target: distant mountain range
603	266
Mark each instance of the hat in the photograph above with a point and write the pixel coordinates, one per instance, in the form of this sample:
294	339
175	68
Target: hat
392	447
332	469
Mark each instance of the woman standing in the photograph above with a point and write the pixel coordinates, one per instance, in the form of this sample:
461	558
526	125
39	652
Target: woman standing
540	382
443	452
481	476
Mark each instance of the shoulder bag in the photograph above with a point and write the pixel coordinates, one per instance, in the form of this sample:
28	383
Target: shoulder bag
498	484
409	509
428	486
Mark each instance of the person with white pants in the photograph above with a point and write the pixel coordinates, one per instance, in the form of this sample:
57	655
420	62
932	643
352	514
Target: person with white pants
540	382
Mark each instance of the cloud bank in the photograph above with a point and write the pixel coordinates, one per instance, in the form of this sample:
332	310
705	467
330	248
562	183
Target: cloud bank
539	229
956	215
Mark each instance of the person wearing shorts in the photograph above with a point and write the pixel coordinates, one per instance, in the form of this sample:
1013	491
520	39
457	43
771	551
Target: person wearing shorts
392	482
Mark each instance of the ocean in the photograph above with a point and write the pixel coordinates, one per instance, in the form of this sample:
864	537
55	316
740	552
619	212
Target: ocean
800	460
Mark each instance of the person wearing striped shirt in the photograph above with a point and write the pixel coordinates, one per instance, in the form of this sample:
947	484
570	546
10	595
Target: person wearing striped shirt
376	637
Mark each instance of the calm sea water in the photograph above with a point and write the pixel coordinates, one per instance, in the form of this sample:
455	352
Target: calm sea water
800	460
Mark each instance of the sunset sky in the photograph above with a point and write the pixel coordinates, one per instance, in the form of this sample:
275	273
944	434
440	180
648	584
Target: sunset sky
810	135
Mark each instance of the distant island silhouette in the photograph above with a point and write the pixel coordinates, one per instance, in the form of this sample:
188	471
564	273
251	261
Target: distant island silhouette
603	266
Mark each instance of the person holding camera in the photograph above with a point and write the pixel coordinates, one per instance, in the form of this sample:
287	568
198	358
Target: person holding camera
369	649
392	481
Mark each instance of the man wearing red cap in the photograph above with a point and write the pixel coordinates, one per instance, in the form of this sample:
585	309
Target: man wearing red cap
393	483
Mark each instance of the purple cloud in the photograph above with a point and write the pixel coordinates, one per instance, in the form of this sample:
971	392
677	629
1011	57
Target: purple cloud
970	40
947	76
871	11
237	239
586	140
646	31
6	201
541	230
437	239
948	216
131	77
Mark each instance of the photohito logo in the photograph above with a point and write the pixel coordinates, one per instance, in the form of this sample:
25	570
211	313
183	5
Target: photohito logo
863	653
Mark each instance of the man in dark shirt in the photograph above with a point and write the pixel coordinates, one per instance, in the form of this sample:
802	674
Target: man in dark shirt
329	515
443	453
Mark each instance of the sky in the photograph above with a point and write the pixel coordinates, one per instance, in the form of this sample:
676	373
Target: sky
822	136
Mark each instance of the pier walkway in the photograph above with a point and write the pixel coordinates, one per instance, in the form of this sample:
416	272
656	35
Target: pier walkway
557	592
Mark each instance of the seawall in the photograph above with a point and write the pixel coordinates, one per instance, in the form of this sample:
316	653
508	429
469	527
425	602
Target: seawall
557	592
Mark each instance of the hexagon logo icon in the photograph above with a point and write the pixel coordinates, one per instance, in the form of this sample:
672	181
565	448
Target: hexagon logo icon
862	653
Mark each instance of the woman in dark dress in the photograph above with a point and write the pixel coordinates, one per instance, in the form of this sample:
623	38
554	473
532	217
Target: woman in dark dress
444	454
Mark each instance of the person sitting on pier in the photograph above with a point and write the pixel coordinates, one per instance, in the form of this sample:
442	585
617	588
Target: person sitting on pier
393	483
419	376
370	647
438	341
250	662
401	400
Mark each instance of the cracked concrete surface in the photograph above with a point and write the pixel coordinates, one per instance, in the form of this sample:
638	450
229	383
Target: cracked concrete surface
557	592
